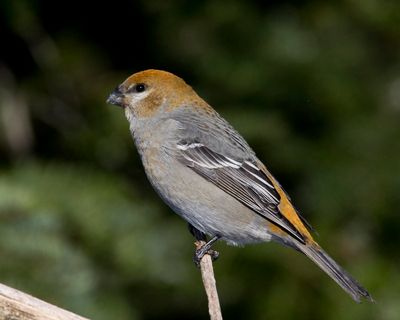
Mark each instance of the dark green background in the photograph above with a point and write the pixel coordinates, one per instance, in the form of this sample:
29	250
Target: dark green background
314	86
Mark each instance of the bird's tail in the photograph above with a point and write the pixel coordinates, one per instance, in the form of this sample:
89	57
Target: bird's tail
336	272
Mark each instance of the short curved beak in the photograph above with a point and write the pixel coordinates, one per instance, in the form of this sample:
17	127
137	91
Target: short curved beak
116	98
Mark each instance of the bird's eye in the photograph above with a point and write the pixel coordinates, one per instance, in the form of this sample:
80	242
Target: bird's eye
139	87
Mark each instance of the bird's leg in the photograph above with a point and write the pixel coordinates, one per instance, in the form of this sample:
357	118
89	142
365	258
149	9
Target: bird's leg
205	248
199	236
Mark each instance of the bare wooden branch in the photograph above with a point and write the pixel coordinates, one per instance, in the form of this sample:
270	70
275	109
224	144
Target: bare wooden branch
16	305
207	274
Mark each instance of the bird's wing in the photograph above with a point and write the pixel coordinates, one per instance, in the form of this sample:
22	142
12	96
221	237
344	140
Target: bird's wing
246	181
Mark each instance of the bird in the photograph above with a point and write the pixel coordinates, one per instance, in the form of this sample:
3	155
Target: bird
207	173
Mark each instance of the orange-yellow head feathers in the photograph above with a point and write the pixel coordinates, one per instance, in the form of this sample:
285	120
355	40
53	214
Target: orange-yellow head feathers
146	91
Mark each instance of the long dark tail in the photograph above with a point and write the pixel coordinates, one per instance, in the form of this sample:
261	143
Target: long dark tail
336	272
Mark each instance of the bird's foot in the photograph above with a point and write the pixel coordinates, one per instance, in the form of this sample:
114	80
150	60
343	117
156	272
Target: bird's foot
202	251
203	248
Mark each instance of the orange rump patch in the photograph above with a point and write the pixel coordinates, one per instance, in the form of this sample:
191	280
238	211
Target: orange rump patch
287	210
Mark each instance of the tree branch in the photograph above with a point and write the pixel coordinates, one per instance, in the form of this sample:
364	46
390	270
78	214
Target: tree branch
15	305
207	274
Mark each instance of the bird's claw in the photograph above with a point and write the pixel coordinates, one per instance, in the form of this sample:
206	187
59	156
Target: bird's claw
201	252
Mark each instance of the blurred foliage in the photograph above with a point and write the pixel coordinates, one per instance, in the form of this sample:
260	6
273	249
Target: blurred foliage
314	86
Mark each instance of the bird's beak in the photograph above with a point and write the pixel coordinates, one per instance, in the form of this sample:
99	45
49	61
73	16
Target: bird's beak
116	98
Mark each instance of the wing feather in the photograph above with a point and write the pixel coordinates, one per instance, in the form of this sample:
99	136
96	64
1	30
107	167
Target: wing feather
242	179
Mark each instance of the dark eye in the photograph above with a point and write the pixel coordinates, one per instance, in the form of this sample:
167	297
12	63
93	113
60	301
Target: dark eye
140	87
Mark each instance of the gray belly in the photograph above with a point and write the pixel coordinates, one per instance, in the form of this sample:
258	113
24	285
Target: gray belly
201	203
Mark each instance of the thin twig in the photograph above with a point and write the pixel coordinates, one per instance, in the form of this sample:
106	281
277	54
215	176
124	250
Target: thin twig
207	274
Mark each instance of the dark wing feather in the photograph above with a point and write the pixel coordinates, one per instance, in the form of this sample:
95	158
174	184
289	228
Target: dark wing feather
243	180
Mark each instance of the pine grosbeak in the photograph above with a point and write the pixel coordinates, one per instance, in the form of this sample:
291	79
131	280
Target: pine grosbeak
208	174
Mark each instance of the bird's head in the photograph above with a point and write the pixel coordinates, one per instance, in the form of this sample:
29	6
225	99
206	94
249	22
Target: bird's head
144	93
